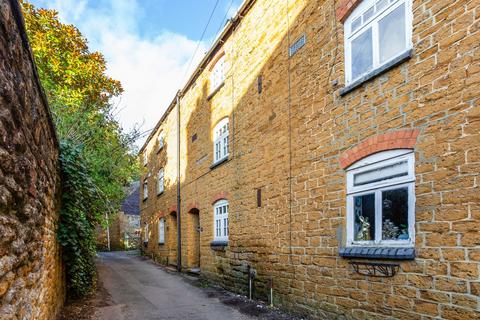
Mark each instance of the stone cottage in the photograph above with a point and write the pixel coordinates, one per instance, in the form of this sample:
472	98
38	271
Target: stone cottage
124	227
329	150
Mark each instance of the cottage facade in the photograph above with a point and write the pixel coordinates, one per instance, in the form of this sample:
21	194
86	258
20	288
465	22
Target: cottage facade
331	148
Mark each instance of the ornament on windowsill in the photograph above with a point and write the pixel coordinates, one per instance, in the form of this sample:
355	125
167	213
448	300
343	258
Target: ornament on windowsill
389	230
403	232
364	232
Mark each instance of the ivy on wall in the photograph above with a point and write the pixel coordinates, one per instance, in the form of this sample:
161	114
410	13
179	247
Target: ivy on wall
80	213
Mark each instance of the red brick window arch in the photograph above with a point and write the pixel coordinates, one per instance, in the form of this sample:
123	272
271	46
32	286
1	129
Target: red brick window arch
401	139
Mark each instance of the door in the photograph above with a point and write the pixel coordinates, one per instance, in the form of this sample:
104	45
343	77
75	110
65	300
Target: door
194	245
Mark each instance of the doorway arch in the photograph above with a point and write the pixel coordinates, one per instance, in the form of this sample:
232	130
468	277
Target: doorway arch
193	240
172	238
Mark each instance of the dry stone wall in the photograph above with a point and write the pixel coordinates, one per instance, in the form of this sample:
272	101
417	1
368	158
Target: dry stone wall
32	282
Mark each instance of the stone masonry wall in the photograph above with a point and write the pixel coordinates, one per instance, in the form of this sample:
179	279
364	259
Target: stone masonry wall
32	284
293	140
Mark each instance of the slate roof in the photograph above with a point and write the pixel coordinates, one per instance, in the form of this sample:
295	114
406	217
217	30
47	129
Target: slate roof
131	204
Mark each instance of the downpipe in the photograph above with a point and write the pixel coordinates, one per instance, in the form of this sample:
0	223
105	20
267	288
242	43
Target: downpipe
251	275
271	292
179	221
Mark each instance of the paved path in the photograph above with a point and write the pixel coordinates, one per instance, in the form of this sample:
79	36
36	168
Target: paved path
140	289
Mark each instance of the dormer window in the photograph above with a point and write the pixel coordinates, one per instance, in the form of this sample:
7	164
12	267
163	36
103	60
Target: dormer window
217	76
376	32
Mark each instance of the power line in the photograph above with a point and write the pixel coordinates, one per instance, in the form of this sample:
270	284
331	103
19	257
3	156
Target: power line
222	23
201	38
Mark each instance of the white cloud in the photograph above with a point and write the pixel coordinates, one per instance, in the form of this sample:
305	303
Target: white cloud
150	70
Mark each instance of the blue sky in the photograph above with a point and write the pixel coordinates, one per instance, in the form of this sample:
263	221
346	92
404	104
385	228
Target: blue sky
148	45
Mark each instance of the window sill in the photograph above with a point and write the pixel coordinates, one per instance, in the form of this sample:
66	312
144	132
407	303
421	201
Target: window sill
397	253
145	199
219	162
160	193
161	243
218	245
372	74
159	149
210	96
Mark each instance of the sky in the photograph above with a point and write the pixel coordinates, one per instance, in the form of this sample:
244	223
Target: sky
148	46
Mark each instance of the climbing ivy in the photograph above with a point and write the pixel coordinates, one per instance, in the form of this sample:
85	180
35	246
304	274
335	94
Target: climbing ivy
79	215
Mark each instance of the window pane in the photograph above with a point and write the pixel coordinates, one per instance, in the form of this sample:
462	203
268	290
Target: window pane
356	24
362	54
395	170
392	34
368	14
381	4
364	211
395	214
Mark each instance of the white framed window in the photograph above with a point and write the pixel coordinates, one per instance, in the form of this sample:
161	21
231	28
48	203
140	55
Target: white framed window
161	231
146	234
220	225
376	32
217	75
145	189
160	141
145	160
381	200
220	140
160	181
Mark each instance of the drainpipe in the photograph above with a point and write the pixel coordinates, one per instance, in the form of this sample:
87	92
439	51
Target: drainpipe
179	229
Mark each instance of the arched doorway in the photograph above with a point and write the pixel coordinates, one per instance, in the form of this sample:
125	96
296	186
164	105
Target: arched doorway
193	240
172	238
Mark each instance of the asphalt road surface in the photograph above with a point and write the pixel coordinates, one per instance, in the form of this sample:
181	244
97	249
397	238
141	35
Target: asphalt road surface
137	288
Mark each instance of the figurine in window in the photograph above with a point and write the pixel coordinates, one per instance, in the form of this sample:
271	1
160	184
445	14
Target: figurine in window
364	232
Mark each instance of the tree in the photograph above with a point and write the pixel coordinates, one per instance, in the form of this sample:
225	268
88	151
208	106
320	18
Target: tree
97	157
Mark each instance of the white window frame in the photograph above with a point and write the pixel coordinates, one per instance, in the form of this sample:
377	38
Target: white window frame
145	189
221	140
160	181
372	162
145	159
373	23
161	141
217	75
161	231
220	221
146	233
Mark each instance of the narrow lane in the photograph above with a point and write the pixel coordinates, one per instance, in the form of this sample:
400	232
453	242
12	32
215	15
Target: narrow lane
139	289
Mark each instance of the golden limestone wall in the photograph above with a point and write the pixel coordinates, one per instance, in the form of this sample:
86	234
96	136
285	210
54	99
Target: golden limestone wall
295	139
